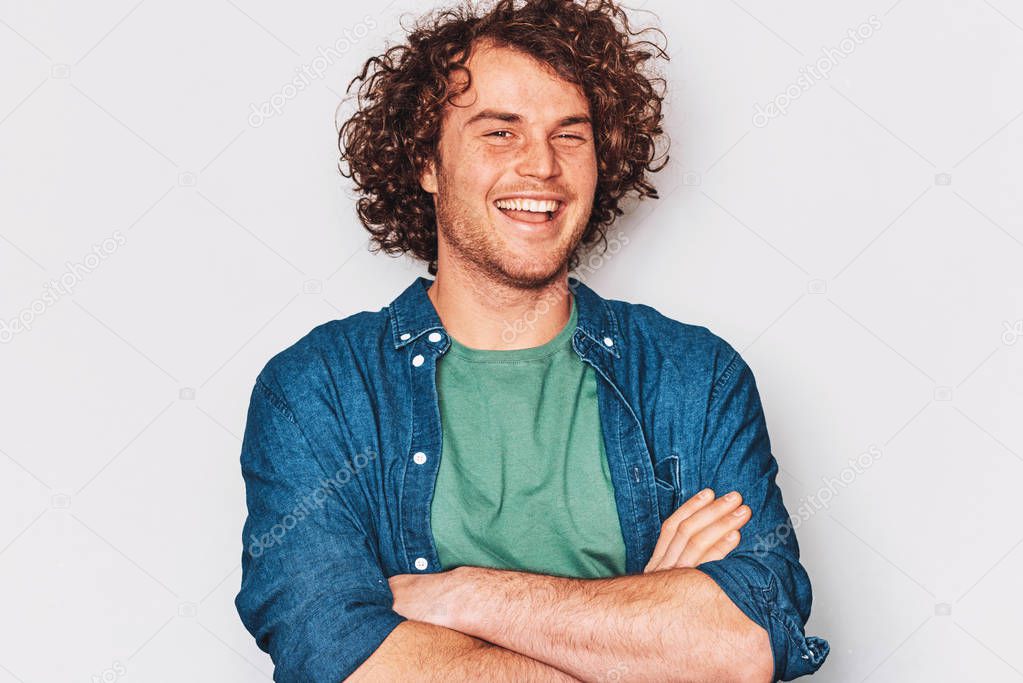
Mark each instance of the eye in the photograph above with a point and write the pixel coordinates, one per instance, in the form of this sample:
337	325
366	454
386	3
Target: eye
572	139
496	132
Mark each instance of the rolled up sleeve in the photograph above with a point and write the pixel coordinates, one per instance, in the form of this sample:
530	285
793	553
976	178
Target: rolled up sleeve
763	575
313	594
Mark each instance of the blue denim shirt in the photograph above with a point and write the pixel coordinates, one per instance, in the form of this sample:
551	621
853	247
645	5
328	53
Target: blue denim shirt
341	452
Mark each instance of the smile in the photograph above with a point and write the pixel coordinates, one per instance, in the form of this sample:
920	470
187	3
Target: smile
530	211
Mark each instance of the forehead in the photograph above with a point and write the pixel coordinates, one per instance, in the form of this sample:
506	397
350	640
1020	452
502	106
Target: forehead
509	80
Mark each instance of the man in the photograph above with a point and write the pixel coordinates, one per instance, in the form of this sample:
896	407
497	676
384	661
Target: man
502	475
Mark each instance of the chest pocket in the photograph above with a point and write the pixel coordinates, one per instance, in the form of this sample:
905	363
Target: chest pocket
668	484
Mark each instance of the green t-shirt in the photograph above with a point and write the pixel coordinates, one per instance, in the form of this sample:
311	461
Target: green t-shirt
524	482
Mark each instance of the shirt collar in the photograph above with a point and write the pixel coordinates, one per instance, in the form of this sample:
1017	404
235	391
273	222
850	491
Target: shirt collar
413	315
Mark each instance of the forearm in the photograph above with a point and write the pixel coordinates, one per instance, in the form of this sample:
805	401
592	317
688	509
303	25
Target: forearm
415	650
666	625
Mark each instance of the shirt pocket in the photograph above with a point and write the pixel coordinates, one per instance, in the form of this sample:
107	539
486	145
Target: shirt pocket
668	482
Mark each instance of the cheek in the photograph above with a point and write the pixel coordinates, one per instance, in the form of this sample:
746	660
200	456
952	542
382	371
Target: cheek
482	168
464	173
491	158
584	180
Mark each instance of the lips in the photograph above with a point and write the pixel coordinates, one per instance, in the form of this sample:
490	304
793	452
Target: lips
532	220
532	196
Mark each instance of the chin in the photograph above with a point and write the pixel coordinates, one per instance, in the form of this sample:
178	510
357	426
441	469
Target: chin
530	272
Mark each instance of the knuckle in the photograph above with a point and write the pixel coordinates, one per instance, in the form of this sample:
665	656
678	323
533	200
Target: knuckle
726	505
699	542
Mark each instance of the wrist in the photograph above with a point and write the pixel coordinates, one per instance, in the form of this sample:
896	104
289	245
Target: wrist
462	598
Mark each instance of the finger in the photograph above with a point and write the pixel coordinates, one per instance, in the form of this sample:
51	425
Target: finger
696	523
701	542
684	511
721	549
695	503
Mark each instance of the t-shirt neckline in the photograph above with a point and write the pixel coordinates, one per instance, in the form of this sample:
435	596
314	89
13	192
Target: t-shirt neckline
560	342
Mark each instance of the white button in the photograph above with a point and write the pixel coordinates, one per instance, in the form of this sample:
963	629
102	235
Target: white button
405	336
419	458
421	563
608	341
434	336
418	359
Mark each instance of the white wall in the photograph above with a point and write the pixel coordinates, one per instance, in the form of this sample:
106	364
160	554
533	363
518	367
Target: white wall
863	251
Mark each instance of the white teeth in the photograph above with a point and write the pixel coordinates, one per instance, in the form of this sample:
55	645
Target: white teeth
518	204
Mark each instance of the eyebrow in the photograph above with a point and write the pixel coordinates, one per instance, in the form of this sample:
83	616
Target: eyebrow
511	117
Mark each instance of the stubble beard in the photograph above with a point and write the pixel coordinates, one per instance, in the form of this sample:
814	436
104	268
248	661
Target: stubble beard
473	240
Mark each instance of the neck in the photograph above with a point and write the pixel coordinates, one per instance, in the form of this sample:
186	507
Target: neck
482	313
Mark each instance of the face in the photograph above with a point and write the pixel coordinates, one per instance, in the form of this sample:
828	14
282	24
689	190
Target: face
515	184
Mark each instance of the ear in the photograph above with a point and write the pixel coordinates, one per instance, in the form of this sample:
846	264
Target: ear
428	178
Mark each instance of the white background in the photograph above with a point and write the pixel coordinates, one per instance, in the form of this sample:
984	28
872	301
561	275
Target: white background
863	251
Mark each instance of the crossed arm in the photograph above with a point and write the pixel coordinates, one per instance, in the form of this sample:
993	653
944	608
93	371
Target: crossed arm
670	623
315	597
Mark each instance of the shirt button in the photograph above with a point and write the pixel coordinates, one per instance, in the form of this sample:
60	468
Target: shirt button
419	458
418	360
434	337
608	341
421	563
405	336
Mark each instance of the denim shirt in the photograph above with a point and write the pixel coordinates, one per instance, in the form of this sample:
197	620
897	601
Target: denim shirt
341	452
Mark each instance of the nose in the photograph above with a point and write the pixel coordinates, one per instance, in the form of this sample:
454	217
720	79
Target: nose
538	159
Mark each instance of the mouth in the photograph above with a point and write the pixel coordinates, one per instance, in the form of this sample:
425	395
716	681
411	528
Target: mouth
531	214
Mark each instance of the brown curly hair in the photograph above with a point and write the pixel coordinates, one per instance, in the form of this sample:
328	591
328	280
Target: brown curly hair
395	130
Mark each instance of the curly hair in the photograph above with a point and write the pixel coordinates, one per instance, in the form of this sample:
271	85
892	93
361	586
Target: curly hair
395	129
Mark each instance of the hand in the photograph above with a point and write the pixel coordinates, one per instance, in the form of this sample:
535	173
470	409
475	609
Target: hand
427	597
701	530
